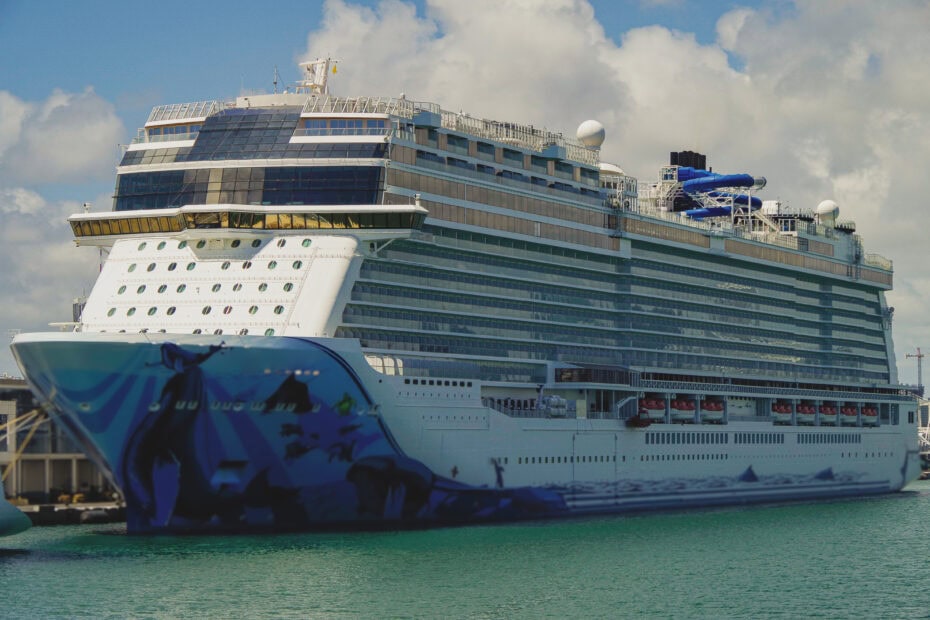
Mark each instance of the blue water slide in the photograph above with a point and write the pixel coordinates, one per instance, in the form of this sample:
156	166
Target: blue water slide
695	181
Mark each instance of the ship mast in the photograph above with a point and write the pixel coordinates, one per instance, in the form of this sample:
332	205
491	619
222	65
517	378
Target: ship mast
920	371
316	75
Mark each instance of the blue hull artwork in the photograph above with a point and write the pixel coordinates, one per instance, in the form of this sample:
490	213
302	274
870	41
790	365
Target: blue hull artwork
279	434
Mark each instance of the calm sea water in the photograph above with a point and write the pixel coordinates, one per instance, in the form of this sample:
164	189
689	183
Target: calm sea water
842	559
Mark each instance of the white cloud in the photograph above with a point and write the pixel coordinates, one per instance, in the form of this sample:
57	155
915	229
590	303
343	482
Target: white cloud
68	137
827	100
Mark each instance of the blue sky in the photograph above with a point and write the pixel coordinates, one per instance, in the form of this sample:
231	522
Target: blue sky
823	97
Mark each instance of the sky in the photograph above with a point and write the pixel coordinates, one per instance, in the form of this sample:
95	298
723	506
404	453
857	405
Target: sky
825	98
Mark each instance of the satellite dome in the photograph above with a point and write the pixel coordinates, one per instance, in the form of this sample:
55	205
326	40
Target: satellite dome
827	211
591	134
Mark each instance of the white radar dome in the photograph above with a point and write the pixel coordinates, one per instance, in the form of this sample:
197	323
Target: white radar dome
827	211
591	134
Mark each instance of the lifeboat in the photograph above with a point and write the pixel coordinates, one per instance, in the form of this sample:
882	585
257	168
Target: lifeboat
869	416
682	410
781	413
827	414
848	415
654	408
711	411
805	413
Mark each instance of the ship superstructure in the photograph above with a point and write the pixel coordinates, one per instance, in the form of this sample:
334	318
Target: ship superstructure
326	311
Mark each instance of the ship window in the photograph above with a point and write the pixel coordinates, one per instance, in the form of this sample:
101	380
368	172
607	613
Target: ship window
111	311
151	267
227	309
172	266
269	331
298	264
218	331
182	245
171	310
278	309
281	242
152	310
288	286
253	309
190	266
225	265
162	288
262	287
272	264
243	331
247	264
237	287
121	290
198	331
306	243
182	288
217	287
235	243
142	246
130	312
140	290
132	267
256	243
201	243
206	310
161	246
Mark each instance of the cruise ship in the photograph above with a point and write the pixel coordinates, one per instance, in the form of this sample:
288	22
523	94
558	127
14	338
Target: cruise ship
319	311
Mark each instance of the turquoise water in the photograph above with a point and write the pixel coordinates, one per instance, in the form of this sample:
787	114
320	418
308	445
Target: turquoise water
844	559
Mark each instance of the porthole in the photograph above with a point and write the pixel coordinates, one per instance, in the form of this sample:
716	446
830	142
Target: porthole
225	266
206	310
141	289
278	309
142	246
256	243
269	331
111	311
298	264
281	242
182	288
162	288
216	288
121	290
152	310
306	243
151	267
172	266
288	287
130	312
262	287
227	309
237	286
190	266
253	309
217	331
132	267
182	245
235	243
198	331
170	310
272	264
161	246
243	331
247	264
201	244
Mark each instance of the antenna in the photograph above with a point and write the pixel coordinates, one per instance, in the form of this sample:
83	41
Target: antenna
920	370
275	82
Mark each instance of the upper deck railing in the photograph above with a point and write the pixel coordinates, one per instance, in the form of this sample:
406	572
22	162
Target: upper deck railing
183	111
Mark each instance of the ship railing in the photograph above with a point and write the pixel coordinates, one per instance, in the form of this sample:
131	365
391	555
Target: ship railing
877	260
142	137
326	104
527	185
183	111
343	131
